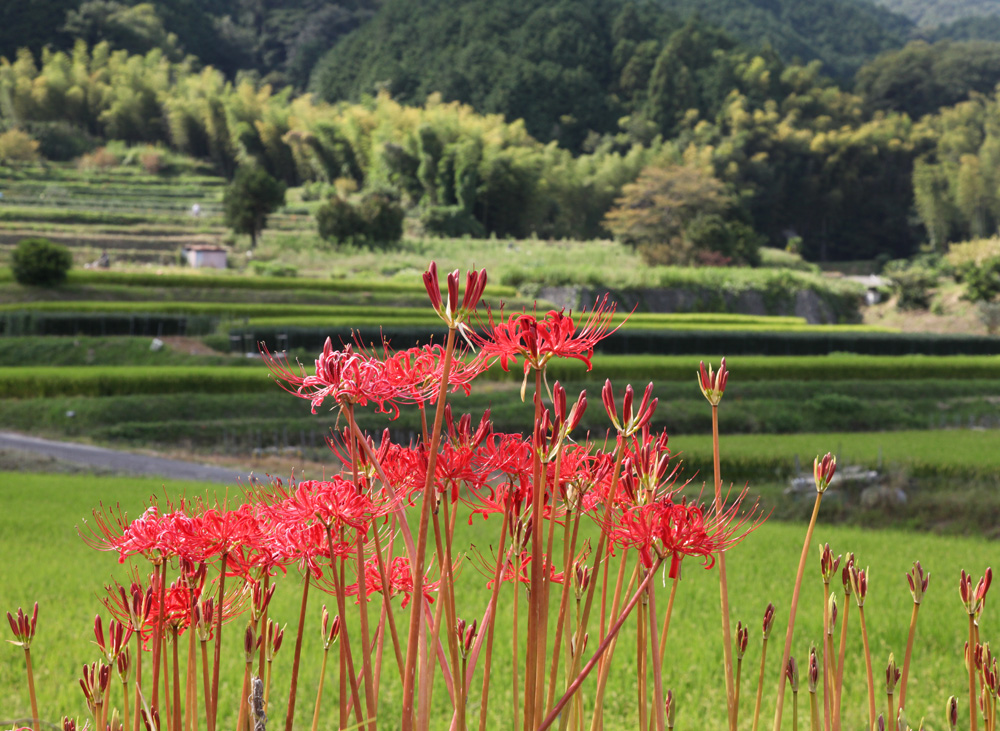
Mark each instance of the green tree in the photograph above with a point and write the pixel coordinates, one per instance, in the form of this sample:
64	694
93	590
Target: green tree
249	199
676	215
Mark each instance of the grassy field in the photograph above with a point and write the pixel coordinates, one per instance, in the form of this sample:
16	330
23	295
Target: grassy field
47	562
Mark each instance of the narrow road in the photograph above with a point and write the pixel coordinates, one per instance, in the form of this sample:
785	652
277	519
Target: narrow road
118	461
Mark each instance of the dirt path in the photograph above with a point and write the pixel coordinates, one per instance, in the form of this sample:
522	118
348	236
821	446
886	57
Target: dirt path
122	462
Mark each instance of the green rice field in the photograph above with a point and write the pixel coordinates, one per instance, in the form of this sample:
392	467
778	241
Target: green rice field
47	562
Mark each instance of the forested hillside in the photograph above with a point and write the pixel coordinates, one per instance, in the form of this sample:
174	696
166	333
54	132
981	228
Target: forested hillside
931	13
280	39
560	118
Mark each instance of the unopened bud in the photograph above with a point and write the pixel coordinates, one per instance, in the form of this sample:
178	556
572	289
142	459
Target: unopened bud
891	675
813	673
951	712
792	674
918	582
742	636
823	471
768	620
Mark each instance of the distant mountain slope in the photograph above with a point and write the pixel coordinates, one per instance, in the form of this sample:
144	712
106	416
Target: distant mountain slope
932	13
843	34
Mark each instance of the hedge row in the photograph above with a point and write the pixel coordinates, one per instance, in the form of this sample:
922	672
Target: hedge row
27	382
234	281
290	314
99	325
674	339
122	380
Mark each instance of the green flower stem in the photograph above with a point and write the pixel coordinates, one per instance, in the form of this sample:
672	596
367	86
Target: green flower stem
418	561
906	660
791	613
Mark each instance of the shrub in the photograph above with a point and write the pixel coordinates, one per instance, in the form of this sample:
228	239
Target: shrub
912	285
377	220
451	221
61	141
39	262
982	282
337	220
383	217
989	315
17	146
100	159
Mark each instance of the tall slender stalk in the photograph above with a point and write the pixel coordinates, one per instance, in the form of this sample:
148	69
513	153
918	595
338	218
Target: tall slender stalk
839	678
727	635
319	690
293	684
536	636
906	659
868	668
35	721
612	633
792	609
491	622
219	606
971	663
760	685
658	698
177	679
409	674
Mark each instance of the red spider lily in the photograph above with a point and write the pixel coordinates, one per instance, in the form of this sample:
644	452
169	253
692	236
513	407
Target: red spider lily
118	636
679	530
23	627
973	599
400	578
346	376
214	533
450	311
631	421
94	682
131	606
539	340
418	372
335	504
644	468
305	543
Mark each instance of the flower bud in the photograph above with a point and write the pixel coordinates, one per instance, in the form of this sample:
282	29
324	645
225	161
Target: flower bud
951	712
670	708
768	620
713	384
845	574
823	471
918	582
827	563
813	673
742	636
792	673
891	675
831	612
859	582
880	723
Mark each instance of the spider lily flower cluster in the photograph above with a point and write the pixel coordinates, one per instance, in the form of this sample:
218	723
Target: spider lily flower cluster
377	537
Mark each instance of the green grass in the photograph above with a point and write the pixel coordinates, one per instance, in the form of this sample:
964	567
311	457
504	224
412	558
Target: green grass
48	563
959	451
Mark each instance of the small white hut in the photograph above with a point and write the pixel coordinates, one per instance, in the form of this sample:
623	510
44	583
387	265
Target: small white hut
205	255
